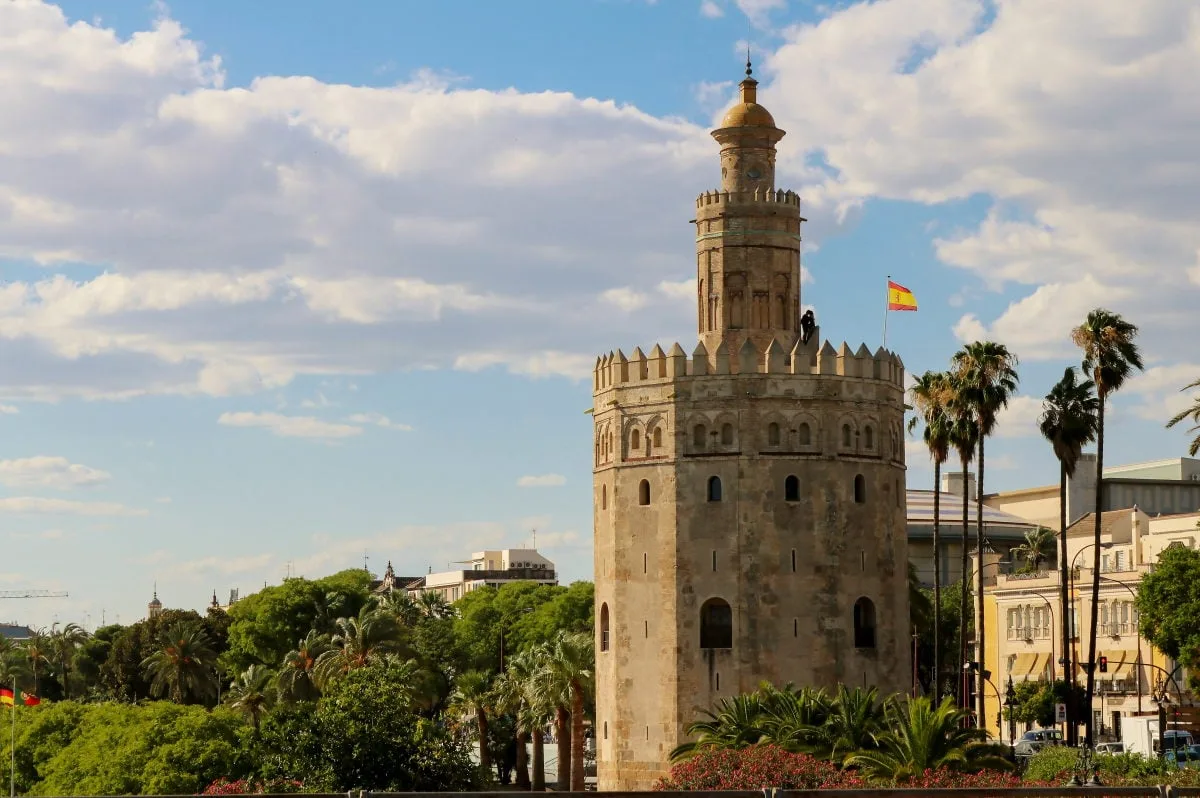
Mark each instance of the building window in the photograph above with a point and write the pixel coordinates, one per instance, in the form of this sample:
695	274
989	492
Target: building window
793	561
645	628
658	437
860	489
846	436
714	489
795	627
864	623
699	433
714	560
604	627
772	434
635	440
644	492
805	435
645	562
869	437
791	489
604	497
727	435
605	730
716	624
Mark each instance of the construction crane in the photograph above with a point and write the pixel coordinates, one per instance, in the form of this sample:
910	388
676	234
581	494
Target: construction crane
32	594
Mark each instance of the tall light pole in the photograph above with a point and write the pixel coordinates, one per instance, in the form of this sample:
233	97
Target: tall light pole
1073	722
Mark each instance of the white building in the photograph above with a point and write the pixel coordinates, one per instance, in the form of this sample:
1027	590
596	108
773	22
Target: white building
492	568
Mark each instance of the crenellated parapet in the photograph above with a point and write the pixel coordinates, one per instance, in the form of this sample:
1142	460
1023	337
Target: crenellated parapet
616	369
740	198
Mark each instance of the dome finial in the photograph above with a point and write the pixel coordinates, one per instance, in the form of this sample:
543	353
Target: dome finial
749	69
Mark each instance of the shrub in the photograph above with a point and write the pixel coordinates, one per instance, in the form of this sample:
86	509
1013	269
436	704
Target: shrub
1053	764
756	767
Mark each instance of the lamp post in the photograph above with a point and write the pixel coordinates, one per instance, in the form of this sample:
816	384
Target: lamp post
1073	655
1161	698
1137	630
1010	703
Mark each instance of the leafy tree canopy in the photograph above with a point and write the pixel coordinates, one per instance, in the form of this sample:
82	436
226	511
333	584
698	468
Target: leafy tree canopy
265	626
1168	603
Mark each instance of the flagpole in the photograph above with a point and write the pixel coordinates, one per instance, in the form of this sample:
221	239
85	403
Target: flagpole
887	295
12	747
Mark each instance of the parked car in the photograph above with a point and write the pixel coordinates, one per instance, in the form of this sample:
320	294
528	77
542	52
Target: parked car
1184	757
1035	740
1110	748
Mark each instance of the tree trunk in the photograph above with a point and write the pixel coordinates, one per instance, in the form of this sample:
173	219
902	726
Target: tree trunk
522	761
937	582
1064	598
964	611
485	756
1090	739
562	733
539	761
980	632
577	741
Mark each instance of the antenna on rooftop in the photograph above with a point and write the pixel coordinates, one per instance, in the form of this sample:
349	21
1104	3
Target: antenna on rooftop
534	539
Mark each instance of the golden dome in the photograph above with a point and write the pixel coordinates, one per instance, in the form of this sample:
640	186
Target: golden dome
746	114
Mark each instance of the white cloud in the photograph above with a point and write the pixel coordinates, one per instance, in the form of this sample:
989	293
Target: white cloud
626	299
49	472
710	9
32	505
229	565
542	481
9	410
290	426
379	420
1020	418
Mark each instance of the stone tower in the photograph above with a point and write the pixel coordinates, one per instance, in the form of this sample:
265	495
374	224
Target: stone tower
749	499
154	608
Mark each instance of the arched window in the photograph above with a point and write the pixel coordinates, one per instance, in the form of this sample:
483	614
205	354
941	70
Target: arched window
846	435
869	437
860	489
699	435
791	489
716	624
772	434
635	440
727	435
864	623
714	489
604	497
604	627
805	435
657	437
644	492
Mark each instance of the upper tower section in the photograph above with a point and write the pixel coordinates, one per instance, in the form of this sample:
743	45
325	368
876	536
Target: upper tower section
748	237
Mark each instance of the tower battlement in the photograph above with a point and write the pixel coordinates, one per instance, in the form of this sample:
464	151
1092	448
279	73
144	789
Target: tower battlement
746	197
805	360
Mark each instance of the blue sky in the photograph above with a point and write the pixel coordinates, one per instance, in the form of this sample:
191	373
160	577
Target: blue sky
285	284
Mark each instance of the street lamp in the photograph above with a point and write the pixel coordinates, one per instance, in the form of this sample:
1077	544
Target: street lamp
1072	722
1161	698
1010	703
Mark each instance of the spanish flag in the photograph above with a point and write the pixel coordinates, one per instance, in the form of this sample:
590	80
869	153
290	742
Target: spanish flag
900	298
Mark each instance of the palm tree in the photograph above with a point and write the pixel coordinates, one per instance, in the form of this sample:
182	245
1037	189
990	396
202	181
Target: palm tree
854	720
1070	416
434	605
251	694
183	665
929	395
989	378
64	643
963	434
555	685
473	696
573	659
1037	548
735	723
512	698
1193	413
359	642
1109	358
297	680
923	736
38	649
793	719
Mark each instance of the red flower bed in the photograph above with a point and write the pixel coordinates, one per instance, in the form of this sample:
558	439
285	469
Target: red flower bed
224	786
762	766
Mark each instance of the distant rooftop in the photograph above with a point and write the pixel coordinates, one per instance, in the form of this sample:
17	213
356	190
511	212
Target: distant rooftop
920	511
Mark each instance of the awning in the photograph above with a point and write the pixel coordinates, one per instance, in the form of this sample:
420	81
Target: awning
1037	669
1121	664
1022	666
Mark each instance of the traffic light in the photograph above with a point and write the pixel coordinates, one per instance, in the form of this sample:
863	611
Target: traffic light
1104	664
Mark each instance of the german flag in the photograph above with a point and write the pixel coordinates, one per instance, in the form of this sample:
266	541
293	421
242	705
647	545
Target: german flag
6	696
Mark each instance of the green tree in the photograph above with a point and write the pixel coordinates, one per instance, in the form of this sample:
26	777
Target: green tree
988	375
264	626
473	697
1109	357
854	720
512	690
924	736
573	660
38	649
1070	416
964	435
297	679
64	644
184	665
1168	604
1193	413
122	676
1037	547
91	656
930	396
360	736
252	694
359	642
